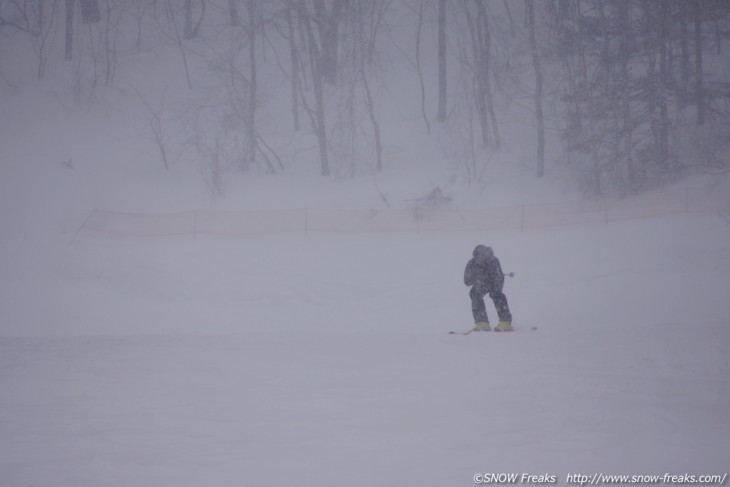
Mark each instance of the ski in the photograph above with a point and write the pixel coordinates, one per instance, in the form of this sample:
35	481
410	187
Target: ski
462	332
469	332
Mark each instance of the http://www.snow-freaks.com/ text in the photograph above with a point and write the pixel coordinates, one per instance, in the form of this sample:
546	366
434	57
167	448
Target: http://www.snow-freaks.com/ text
600	479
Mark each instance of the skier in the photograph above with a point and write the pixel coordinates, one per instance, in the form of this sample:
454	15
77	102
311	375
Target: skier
484	274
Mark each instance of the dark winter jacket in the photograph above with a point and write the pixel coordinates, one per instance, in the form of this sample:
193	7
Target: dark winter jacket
486	276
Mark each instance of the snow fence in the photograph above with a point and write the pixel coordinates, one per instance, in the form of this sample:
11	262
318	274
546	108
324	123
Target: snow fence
308	220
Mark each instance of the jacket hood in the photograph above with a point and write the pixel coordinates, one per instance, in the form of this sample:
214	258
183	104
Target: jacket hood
482	252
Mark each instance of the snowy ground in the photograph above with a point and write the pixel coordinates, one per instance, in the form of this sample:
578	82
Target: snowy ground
325	360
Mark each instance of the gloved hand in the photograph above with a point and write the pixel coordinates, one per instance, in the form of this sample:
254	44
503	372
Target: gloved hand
481	287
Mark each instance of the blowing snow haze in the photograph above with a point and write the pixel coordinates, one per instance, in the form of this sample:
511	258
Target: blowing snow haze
233	237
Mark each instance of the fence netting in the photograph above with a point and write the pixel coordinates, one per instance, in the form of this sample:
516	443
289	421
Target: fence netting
311	220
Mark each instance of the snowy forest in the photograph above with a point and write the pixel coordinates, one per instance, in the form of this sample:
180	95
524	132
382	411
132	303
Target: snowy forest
623	95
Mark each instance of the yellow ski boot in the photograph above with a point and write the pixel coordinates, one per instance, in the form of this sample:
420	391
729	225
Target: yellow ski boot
504	326
482	326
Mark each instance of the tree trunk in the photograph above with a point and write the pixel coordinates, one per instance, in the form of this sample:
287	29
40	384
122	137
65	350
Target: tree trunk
294	59
233	13
662	88
328	24
481	45
90	13
188	19
253	82
441	116
684	49
699	81
627	129
68	54
539	119
192	28
373	120
315	63
418	68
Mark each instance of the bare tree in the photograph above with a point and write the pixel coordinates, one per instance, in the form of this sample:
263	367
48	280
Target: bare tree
699	74
68	52
90	11
367	20
295	65
318	67
168	26
625	94
481	61
233	13
415	61
539	117
441	116
328	22
192	27
252	81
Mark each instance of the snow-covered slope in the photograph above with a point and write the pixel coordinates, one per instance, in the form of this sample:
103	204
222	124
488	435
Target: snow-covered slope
325	359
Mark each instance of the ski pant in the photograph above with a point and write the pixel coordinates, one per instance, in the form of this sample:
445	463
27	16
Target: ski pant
480	311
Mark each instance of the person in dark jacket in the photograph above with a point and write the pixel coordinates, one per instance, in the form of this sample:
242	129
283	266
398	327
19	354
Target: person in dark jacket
484	274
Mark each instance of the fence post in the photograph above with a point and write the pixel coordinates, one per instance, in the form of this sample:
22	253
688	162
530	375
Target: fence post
78	230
